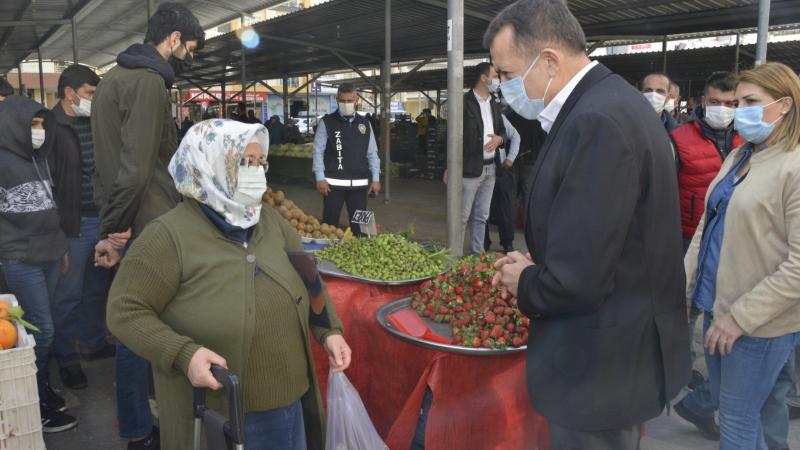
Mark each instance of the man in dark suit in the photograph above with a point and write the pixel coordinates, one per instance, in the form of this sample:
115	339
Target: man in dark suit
604	281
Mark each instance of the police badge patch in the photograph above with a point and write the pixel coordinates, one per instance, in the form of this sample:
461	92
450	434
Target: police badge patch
362	128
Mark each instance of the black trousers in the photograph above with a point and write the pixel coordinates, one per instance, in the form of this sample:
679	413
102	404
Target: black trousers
332	205
564	439
502	210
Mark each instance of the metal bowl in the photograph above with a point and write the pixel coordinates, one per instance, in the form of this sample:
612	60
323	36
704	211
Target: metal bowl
327	267
442	329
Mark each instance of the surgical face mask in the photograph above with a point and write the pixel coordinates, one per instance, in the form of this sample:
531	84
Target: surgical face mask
252	185
657	101
670	105
494	85
37	137
749	123
514	93
83	108
719	117
347	109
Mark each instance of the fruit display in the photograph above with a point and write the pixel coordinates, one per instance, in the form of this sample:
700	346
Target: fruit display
386	257
10	316
292	150
478	316
307	226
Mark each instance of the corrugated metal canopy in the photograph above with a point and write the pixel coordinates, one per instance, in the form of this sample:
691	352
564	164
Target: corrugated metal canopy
305	42
107	27
38	20
684	66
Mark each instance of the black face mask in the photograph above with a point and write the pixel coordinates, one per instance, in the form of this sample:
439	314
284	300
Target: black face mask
181	65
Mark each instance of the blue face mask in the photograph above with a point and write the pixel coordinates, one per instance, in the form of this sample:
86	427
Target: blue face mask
749	123
514	93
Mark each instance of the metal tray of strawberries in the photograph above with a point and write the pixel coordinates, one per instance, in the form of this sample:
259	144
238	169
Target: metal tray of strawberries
441	329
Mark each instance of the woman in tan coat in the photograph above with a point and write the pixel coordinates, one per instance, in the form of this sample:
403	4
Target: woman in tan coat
210	282
743	266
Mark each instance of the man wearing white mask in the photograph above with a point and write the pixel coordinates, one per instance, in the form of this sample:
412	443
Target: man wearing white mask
484	133
603	281
702	145
655	88
345	160
79	307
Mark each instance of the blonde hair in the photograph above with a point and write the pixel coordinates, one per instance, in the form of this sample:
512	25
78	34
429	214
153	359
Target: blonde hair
779	81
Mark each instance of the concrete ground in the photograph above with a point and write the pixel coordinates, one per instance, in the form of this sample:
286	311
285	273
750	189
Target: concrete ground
420	202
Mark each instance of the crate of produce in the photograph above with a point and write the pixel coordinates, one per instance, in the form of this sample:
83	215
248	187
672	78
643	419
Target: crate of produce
20	419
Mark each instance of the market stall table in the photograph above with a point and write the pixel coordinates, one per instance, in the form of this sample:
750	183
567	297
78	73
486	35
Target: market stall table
479	402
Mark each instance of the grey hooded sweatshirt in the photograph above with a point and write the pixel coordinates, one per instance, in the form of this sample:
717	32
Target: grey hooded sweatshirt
29	222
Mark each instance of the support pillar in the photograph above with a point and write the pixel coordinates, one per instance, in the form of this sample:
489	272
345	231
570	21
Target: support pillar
386	99
455	126
763	31
74	40
41	76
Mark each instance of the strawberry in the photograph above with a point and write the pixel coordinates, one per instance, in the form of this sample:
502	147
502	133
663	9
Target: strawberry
510	327
486	344
517	342
497	331
476	342
484	334
508	311
502	342
490	317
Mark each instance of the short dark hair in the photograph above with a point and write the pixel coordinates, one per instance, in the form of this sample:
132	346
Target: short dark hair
5	88
345	88
538	23
480	70
724	81
76	76
171	17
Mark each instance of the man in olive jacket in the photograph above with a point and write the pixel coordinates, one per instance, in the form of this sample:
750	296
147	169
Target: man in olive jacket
134	140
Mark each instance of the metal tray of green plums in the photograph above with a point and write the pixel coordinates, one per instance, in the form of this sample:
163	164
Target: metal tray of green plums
442	329
327	267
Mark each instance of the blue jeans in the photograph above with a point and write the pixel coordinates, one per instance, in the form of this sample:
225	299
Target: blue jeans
775	414
476	201
33	285
742	382
133	394
276	429
80	299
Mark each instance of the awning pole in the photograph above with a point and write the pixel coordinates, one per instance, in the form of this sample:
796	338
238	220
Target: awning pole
664	55
285	99
19	77
736	58
386	98
763	32
74	40
223	102
455	126
41	76
244	78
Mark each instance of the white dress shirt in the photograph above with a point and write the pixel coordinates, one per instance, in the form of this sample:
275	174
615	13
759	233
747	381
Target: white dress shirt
513	139
549	115
488	123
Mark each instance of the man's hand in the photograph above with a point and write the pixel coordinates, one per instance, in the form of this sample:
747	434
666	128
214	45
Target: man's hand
105	254
119	240
199	371
722	334
375	187
444	178
323	188
65	264
339	353
508	164
509	269
495	142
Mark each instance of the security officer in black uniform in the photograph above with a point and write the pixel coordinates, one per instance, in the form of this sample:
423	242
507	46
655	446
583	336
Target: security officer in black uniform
346	163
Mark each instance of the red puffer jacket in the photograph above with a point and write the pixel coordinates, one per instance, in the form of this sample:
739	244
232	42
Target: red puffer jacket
700	162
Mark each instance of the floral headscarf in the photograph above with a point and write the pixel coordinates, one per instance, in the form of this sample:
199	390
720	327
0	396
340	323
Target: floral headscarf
206	166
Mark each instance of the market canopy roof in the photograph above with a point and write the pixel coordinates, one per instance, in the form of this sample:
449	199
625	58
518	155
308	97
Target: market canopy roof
343	34
687	67
105	27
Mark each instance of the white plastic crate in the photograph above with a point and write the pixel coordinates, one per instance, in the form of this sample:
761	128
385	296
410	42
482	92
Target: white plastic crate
20	419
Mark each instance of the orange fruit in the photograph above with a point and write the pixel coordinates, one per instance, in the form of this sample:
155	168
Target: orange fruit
4	307
8	334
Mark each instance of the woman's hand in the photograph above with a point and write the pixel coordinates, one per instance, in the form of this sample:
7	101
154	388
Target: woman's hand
339	353
199	372
722	334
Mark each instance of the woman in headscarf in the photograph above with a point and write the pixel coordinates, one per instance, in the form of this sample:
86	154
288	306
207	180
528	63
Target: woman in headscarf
211	282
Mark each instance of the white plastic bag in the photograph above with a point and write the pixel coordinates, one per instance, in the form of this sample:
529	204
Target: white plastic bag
349	425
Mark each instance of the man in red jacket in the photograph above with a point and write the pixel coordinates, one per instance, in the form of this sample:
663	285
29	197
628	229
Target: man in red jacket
700	146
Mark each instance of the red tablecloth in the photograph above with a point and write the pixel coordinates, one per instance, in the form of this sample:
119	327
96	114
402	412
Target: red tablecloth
479	402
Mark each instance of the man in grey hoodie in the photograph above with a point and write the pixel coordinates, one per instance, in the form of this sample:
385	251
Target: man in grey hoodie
32	244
